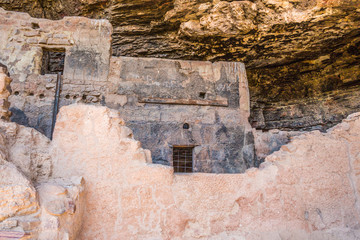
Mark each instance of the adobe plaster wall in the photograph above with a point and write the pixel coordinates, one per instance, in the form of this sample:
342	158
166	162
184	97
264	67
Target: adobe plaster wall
307	190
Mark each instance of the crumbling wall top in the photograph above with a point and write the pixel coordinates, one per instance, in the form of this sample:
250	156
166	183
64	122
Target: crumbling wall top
87	44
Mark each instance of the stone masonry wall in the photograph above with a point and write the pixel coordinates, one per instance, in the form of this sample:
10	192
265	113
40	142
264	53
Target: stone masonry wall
87	52
143	91
156	96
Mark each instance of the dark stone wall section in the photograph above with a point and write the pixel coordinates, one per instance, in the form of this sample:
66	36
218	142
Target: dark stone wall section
221	135
218	148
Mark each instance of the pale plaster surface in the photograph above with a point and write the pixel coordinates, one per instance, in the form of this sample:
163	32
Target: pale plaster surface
309	189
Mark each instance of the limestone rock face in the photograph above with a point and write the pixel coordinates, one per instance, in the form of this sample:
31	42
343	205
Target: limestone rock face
56	216
18	196
306	190
51	210
234	30
28	150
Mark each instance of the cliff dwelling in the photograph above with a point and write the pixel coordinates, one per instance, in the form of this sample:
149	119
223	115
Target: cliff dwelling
167	103
179	119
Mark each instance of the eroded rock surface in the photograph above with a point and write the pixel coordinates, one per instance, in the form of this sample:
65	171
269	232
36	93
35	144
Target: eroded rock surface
306	190
62	206
28	150
33	210
32	204
18	195
23	215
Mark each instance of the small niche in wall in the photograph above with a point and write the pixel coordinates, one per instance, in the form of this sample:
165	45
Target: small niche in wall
53	61
186	126
35	25
183	159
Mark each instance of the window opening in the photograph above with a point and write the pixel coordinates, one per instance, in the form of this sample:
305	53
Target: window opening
53	61
183	159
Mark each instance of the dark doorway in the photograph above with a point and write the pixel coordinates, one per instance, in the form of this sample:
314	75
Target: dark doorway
53	61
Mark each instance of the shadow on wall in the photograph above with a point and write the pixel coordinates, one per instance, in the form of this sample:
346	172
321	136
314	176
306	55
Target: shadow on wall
18	116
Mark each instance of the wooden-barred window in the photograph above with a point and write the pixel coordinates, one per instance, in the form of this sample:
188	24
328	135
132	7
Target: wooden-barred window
183	159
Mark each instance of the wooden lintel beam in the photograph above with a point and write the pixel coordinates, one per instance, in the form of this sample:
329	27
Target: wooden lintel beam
218	103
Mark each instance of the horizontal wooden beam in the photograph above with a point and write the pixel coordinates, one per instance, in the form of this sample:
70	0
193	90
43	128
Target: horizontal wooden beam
218	103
